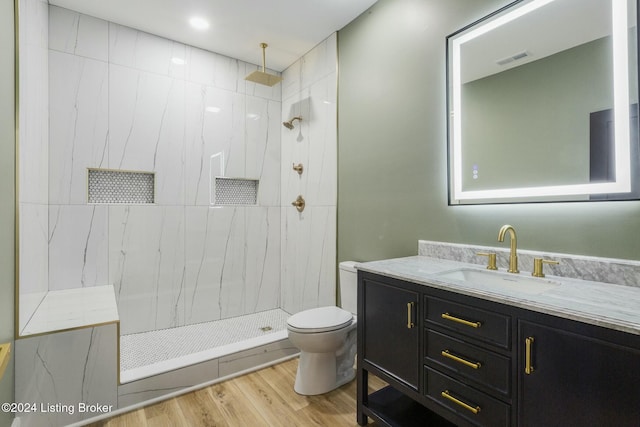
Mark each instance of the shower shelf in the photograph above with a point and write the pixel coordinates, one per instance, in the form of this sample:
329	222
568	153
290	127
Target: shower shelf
112	186
235	191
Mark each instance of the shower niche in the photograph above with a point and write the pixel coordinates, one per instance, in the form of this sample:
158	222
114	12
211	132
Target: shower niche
235	191
116	186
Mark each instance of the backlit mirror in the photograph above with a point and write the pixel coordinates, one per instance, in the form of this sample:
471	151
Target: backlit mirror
542	104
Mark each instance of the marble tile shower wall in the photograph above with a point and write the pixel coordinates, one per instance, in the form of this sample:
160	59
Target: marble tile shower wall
118	101
309	90
33	155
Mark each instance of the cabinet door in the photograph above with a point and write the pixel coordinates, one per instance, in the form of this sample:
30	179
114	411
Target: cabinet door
576	380
391	335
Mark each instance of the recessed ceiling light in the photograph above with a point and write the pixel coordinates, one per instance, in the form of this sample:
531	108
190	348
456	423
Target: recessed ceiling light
199	23
177	61
212	109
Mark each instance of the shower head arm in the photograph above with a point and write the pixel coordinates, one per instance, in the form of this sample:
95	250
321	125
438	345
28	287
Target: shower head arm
264	56
289	124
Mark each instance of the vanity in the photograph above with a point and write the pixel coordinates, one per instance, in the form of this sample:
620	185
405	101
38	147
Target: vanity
462	345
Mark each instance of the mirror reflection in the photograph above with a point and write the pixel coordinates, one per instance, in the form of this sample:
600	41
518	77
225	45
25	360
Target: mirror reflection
542	100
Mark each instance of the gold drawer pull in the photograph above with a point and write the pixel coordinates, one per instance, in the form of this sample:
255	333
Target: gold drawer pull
474	365
474	409
528	346
462	321
410	323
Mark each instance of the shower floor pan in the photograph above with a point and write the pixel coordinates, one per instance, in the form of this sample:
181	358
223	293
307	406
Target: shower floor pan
151	353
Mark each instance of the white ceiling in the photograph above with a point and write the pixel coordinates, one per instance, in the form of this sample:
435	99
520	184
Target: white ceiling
237	27
540	33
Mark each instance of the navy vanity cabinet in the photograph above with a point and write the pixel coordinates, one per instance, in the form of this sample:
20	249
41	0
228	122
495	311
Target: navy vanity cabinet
572	374
390	331
453	359
391	345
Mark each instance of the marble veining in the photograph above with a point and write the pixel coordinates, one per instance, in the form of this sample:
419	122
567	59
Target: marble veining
78	34
78	124
215	125
73	308
601	304
308	265
308	268
128	106
146	265
33	153
77	246
117	100
34	258
68	368
607	270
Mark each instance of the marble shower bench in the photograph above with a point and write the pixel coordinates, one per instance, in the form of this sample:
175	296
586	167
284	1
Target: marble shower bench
66	358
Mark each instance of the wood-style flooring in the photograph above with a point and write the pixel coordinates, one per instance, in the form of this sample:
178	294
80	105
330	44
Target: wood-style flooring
261	398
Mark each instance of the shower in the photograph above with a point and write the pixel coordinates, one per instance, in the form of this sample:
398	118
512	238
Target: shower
262	77
289	124
172	281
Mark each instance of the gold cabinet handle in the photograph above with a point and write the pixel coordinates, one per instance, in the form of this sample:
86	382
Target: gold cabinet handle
528	347
474	365
474	409
410	323
462	321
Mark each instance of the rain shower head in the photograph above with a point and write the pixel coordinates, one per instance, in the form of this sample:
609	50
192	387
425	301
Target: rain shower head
262	77
289	124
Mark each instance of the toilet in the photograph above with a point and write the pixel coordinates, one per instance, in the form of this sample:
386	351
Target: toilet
326	337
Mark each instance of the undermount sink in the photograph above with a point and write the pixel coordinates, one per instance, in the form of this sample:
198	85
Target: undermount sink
487	279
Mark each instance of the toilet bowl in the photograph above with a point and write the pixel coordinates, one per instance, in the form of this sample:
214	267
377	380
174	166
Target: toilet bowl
326	337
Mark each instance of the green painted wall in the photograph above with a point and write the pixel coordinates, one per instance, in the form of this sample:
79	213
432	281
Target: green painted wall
7	144
392	159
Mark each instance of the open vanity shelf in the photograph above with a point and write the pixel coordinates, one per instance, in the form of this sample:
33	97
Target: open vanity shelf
388	406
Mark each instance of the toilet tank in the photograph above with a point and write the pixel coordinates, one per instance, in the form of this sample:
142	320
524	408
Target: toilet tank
349	286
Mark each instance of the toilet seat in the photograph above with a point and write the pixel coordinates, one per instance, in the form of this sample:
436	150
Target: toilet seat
322	319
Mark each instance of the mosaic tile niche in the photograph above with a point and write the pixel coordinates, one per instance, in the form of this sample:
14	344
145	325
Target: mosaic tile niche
115	186
235	191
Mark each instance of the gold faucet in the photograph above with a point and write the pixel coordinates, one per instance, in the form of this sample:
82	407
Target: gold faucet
513	256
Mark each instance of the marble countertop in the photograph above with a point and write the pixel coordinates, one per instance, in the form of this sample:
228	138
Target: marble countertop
601	304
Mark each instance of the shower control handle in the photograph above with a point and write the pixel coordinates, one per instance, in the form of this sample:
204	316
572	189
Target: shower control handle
299	203
298	168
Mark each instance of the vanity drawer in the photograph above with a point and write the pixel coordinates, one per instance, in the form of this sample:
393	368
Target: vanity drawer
473	322
490	370
476	407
